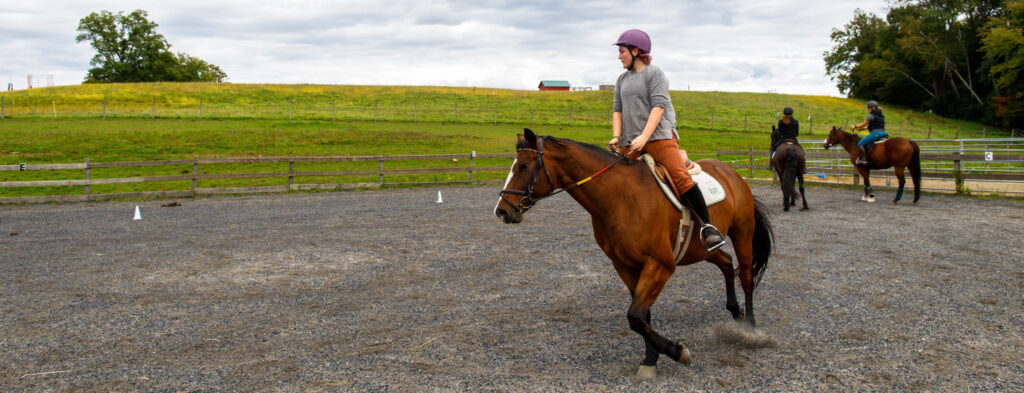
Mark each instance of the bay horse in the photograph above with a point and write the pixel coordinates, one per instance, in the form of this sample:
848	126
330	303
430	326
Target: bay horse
788	162
635	225
897	153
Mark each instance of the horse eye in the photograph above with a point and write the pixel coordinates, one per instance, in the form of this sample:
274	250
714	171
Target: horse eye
523	167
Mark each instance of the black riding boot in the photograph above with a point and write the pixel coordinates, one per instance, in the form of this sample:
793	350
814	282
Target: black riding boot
862	159
710	236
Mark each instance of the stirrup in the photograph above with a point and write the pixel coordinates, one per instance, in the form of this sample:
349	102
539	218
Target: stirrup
714	244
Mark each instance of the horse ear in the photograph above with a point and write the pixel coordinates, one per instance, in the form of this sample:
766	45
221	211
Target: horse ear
530	137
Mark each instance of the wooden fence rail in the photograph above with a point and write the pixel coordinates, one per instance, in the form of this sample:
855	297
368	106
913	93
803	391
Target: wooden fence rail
195	176
958	174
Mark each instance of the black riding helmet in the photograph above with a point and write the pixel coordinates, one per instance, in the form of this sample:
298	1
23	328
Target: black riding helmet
872	104
787	111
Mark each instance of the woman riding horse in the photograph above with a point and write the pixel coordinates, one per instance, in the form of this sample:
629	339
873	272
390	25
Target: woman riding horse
643	121
875	122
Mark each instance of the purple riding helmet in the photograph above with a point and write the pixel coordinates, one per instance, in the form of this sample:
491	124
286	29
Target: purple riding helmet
635	38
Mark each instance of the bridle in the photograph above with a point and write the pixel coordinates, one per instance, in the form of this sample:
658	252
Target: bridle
528	198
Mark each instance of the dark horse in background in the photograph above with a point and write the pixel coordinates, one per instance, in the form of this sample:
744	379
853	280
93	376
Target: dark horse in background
789	162
897	153
635	225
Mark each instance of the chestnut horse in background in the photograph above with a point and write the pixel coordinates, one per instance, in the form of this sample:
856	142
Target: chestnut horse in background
635	224
788	162
897	153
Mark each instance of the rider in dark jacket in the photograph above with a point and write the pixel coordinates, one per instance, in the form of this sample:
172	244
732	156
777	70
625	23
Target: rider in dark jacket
788	128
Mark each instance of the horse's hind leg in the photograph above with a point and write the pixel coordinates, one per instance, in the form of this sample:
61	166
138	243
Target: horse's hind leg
803	194
745	262
899	176
724	263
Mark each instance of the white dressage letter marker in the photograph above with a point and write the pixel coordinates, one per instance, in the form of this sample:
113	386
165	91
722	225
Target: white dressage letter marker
439	200
138	215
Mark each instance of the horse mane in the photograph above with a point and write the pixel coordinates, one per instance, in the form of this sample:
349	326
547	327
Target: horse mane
563	142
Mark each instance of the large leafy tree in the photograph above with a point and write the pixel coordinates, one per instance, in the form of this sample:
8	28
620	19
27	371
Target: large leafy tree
1003	46
128	49
925	54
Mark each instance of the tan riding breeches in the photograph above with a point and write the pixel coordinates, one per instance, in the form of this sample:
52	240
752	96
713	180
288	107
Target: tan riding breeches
666	153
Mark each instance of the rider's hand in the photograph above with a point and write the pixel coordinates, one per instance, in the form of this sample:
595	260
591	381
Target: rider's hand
613	144
638	143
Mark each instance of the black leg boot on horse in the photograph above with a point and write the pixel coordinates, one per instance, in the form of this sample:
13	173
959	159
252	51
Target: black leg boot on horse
710	236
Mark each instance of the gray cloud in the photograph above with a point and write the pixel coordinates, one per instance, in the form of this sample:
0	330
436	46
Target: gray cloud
711	45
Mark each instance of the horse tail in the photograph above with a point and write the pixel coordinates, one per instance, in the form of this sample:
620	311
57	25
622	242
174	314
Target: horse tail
915	170
763	240
789	174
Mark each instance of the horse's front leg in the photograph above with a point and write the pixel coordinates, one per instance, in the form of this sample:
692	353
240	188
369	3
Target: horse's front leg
652	279
869	193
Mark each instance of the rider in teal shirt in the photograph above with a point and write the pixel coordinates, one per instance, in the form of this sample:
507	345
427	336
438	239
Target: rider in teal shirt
875	123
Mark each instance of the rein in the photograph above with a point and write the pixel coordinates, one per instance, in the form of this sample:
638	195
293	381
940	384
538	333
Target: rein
528	199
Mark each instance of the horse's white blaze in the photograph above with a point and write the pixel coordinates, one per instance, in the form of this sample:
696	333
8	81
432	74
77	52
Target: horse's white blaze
507	180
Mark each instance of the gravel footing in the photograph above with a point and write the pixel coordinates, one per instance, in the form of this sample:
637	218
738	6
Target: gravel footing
390	291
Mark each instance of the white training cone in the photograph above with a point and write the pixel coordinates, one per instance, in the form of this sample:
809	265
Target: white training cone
439	200
138	215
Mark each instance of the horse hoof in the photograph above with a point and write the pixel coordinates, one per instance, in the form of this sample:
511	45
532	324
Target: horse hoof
647	372
805	209
895	202
681	355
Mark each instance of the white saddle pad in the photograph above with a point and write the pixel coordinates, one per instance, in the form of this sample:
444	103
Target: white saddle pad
709	186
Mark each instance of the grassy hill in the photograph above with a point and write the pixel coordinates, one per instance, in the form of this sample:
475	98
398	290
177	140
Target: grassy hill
748	112
161	121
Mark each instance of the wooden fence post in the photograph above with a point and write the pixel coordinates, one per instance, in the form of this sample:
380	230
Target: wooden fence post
291	173
958	174
751	158
471	156
380	166
104	107
929	132
87	192
195	173
810	127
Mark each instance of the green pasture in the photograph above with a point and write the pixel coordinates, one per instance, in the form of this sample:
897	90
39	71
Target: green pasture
160	121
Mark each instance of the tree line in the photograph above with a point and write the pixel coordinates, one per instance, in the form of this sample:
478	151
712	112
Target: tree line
128	49
957	58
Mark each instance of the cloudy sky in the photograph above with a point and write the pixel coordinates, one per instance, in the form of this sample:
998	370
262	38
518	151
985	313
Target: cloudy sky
725	45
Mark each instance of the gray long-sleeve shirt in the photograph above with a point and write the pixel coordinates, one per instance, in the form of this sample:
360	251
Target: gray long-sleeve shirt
636	93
